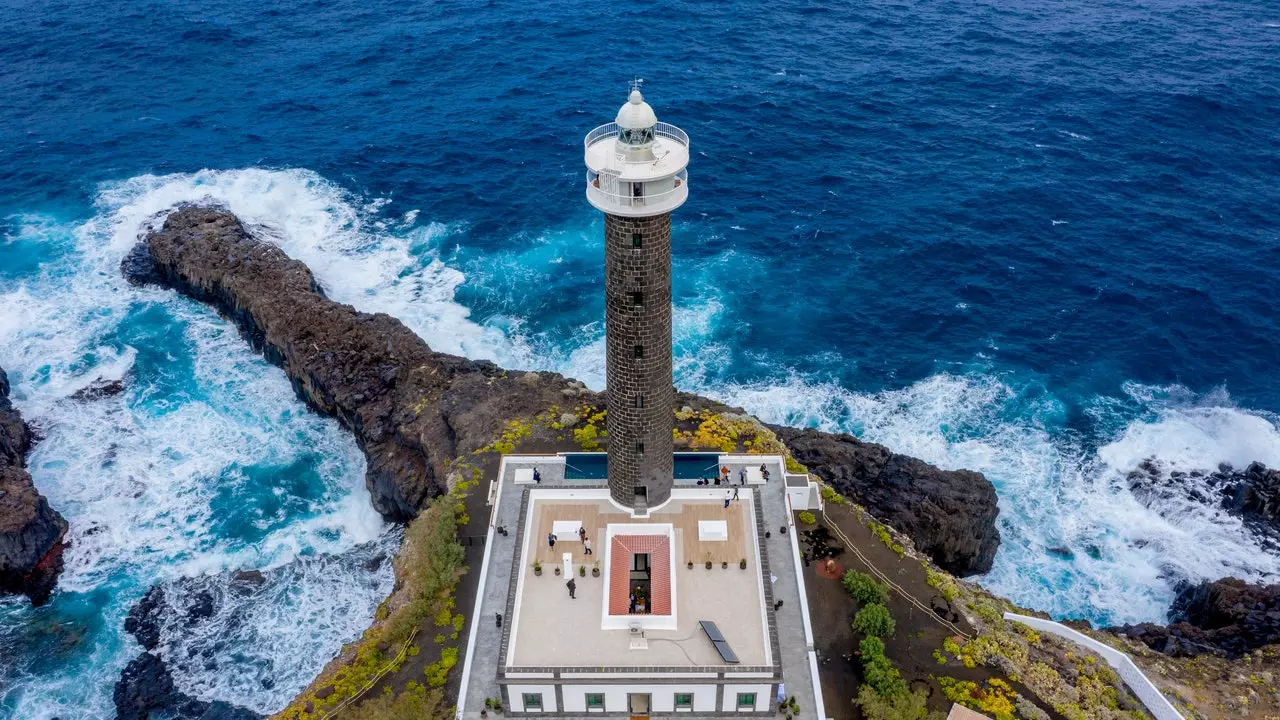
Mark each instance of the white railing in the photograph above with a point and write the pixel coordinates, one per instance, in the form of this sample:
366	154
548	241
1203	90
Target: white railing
610	130
681	188
1147	692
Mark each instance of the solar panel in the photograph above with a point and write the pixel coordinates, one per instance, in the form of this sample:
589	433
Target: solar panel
717	639
713	632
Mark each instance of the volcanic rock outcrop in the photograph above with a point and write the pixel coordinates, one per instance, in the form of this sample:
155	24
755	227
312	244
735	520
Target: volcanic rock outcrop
1252	494
412	409
949	514
31	532
1228	617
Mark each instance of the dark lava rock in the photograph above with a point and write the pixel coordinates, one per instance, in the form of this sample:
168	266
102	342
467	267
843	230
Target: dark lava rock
138	267
31	532
98	389
143	621
1252	494
1228	617
949	514
146	690
412	410
246	581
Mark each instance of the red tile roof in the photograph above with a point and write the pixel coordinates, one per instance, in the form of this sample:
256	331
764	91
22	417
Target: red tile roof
659	549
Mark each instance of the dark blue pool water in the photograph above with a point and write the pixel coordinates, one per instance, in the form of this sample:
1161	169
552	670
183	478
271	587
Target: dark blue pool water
594	466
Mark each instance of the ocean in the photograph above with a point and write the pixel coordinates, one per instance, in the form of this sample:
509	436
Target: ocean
1034	239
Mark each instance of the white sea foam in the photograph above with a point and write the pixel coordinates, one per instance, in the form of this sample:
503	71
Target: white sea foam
1056	495
145	477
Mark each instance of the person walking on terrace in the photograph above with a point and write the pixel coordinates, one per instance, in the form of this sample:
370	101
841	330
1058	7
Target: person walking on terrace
742	476
582	534
727	495
573	587
551	540
537	476
586	546
735	493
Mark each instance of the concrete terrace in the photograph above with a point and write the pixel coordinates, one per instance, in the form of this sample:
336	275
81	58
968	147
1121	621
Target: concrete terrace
497	595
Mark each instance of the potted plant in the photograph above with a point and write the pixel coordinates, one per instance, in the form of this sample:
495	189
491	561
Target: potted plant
724	565
537	568
557	571
742	563
582	571
690	564
595	569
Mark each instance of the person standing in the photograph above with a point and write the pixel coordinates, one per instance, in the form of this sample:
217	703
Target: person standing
537	476
551	540
742	476
586	546
573	587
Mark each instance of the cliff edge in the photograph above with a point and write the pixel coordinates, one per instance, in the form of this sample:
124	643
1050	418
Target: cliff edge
31	532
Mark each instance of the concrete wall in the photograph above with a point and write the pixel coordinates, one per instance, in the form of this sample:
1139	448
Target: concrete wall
1145	690
641	397
516	693
661	697
764	693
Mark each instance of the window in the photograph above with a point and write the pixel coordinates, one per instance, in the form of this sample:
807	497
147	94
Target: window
595	701
685	701
637	299
640	448
639	401
533	701
639	352
746	701
640	562
637	240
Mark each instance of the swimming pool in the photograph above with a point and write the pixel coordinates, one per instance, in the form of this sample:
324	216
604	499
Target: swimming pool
594	466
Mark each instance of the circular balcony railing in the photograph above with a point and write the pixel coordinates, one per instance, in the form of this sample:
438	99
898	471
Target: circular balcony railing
601	194
610	131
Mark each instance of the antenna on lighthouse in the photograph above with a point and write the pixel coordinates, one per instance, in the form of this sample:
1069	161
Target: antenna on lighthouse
636	83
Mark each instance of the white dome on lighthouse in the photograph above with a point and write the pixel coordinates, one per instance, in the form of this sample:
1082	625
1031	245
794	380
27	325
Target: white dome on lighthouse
636	113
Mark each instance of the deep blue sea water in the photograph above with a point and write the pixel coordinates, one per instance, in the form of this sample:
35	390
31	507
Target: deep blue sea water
1036	239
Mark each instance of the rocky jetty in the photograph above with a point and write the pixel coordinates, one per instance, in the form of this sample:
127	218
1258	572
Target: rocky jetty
1228	617
31	532
949	514
412	409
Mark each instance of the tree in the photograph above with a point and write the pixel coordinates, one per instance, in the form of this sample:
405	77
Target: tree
864	588
875	620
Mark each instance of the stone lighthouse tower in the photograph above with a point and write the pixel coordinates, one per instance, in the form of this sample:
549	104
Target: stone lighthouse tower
636	176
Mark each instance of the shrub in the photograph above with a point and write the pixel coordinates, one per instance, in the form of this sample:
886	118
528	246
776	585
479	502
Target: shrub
831	496
794	467
996	700
807	518
415	702
864	588
874	619
901	706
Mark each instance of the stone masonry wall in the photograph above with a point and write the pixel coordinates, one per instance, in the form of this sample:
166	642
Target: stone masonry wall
641	396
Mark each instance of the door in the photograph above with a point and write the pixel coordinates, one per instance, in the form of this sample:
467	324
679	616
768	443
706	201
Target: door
638	703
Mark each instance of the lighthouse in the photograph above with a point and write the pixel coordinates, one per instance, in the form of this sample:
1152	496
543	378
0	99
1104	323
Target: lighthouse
636	176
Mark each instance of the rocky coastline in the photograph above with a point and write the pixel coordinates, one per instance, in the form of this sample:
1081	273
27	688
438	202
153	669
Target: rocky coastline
412	410
950	516
31	532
